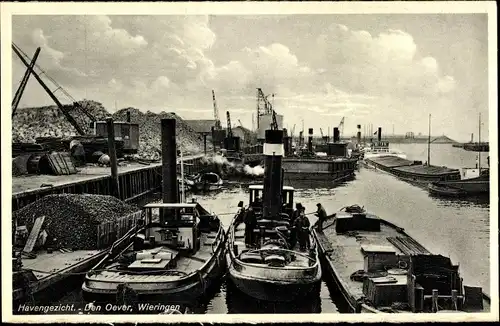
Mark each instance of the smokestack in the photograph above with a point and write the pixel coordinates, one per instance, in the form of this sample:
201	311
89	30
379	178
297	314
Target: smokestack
310	141
128	116
336	135
379	134
286	143
169	161
273	152
359	134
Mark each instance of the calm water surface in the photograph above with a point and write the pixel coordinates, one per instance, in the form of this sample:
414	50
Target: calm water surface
455	228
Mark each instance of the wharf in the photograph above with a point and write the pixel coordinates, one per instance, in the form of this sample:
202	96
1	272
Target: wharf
135	181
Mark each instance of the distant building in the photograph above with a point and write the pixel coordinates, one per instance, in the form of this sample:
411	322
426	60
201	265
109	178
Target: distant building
246	135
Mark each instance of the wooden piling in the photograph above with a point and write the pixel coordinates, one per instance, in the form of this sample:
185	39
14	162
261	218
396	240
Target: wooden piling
115	186
169	161
205	144
435	296
454	298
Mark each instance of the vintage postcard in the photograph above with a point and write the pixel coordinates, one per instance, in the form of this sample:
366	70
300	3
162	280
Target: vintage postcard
249	161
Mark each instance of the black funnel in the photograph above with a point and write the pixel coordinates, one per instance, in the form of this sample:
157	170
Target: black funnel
169	161
310	142
336	135
273	152
379	134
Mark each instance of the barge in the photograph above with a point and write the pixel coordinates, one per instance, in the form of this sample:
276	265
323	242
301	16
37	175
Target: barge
378	267
479	185
413	171
270	266
176	253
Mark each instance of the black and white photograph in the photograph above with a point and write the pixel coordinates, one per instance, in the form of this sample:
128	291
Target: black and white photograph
312	161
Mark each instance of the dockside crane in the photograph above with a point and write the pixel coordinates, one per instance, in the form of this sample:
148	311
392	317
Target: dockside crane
24	81
229	129
341	127
218	125
22	56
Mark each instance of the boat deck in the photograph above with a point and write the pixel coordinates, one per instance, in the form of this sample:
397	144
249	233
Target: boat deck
389	161
344	252
56	266
185	265
426	170
239	238
46	264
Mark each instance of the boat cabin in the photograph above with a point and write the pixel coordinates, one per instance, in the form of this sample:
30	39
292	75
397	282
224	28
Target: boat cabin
256	194
175	225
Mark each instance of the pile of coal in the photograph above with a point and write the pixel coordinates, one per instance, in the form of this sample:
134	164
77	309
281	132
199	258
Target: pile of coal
48	121
73	218
31	123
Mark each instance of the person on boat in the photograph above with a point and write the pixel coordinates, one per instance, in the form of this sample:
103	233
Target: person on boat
294	217
242	212
302	228
321	214
250	224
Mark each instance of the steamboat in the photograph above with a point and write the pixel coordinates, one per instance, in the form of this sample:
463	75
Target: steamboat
175	252
271	266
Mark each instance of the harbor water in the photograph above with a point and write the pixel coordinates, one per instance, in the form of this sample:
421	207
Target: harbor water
455	228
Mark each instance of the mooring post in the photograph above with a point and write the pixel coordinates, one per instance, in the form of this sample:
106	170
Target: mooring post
435	296
205	144
115	186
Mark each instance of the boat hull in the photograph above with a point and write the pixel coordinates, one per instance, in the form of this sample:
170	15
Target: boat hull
273	291
283	287
172	292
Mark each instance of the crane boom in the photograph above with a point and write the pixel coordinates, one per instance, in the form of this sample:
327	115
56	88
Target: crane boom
49	92
216	113
22	86
341	127
229	130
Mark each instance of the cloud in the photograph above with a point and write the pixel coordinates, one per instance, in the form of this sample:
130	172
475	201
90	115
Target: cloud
173	62
387	63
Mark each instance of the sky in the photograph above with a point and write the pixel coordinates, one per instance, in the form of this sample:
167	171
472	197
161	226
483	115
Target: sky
390	71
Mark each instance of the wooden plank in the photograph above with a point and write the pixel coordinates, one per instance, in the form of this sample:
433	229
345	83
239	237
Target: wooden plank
35	232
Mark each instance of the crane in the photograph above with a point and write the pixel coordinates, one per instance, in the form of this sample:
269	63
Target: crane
321	131
63	109
24	81
229	130
341	127
241	124
216	113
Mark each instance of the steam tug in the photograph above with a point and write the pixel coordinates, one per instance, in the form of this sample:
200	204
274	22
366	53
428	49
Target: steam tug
174	253
273	268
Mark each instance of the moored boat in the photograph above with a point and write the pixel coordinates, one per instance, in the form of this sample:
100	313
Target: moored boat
378	267
381	148
273	268
444	190
209	181
174	253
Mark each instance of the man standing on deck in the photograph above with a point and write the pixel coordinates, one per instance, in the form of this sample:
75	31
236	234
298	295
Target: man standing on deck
302	226
321	214
250	224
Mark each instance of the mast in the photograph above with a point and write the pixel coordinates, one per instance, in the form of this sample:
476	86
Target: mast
429	143
479	153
